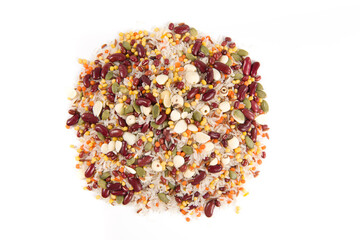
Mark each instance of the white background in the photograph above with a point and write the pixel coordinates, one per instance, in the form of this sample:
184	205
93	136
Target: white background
309	184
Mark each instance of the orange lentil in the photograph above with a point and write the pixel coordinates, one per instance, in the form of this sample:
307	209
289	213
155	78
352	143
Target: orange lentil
197	96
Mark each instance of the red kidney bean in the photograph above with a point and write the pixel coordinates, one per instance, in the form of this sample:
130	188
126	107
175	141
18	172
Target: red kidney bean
134	127
122	122
254	106
121	192
209	78
232	45
244	162
111	97
201	54
224	52
241	92
183	168
245	126
151	97
105	69
123	148
128	197
145	127
217	55
90	171
178	199
143	102
198	178
114	186
186	39
134	58
236	104
123	72
214	135
211	60
222	67
72	111
116	132
181	29
172	147
145	80
86	80
145	62
156	62
135	183
200	65
248	114
162	118
73	120
254	134
252	88
180	85
215	168
257	78
102	129
144	161
217	203
186	197
246	66
263	154
206	195
141	50
209	95
191	94
196	47
228	39
166	61
171	26
214	105
223	43
89	117
105	193
116	57
209	208
254	68
96	73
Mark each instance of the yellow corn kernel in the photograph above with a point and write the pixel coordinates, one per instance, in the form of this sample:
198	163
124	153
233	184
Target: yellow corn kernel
170	164
187	104
150	139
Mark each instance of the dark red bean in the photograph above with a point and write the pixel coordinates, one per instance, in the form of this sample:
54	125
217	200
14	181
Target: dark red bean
122	122
217	203
144	161
96	73
252	88
151	97
257	78
102	129
86	80
254	68
114	186
145	80
228	39
123	72
196	47
209	78
166	61
263	155
121	192
171	26
223	43
141	50
161	119
213	155
254	134
232	45
206	195
186	39
105	69
111	97
135	183
198	178
89	117
244	162
209	208
247	66
248	114
222	67
181	29
215	168
214	135
73	120
241	92
178	199
90	171
236	104
116	132
143	102
180	85
128	197
245	126
145	127
265	127
116	57
200	65
211	60
254	106
214	105
186	197
134	127
105	193
217	55
191	94
123	148
209	95
72	111
183	168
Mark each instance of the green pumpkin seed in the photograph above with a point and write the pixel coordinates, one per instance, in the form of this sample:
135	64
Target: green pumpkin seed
236	57
242	52
238	76
130	161
80	122
105	175
187	150
249	142
124	90
105	115
238	116
259	86
115	88
137	108
163	198
102	138
155	111
109	75
229	62
119	199
204	50
197	116
165	124
264	106
187	109
154	125
140	172
126	45
190	57
232	175
122	111
148	146
102	183
261	94
81	95
193	32
247	103
166	173
173	153
129	109
172	186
